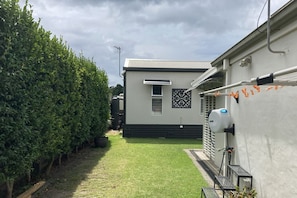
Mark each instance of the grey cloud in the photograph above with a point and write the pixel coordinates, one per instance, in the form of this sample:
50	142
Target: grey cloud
195	14
166	29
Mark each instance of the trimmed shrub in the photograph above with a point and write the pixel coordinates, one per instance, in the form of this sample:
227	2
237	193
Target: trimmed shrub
51	100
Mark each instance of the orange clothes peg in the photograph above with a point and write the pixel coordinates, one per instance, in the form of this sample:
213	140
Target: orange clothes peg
257	88
245	93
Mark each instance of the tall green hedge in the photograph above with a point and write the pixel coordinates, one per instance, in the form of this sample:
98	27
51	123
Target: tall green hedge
51	100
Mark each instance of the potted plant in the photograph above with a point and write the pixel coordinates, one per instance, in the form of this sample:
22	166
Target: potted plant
244	193
101	141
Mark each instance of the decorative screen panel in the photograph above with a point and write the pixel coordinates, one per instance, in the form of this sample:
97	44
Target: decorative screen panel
180	99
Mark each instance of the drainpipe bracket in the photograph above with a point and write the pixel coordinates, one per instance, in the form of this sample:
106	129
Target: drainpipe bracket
230	130
265	80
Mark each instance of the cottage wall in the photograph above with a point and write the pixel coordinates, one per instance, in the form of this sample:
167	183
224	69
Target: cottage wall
266	128
139	99
177	120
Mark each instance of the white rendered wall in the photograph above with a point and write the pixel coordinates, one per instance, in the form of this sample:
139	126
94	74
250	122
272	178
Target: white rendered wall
265	138
139	99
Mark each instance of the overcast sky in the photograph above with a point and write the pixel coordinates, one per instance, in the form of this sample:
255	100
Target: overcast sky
197	30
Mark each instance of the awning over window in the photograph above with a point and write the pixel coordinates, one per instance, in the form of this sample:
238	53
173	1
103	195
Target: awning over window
204	78
156	82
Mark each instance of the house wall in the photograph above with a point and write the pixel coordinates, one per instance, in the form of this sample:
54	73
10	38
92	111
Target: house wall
265	127
138	107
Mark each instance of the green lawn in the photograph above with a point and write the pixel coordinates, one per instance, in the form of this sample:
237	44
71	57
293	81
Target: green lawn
134	167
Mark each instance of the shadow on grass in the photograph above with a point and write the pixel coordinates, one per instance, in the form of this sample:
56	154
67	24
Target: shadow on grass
65	179
88	174
162	141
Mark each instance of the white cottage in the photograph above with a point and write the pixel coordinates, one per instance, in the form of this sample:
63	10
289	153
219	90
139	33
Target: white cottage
259	91
156	104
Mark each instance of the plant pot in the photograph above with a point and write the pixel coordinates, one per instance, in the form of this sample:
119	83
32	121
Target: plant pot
101	142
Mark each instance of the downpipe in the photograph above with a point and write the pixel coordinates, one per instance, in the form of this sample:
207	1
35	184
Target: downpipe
268	32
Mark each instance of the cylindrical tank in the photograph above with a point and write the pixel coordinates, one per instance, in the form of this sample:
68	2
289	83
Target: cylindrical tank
219	119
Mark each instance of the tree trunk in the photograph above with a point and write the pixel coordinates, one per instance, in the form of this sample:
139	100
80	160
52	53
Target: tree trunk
48	170
39	167
9	185
60	159
29	176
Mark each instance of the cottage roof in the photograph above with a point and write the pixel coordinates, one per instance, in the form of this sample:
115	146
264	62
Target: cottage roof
166	64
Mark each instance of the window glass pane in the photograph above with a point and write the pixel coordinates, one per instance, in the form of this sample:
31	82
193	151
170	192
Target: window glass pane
157	90
157	106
